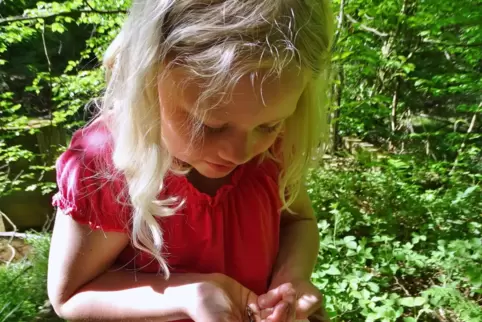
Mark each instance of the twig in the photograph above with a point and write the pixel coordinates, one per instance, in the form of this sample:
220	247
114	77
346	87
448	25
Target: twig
49	64
462	146
48	223
401	286
339	25
9	243
366	28
11	223
101	11
13	234
440	315
59	14
12	257
448	44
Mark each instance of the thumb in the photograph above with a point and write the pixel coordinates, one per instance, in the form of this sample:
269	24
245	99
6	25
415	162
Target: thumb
308	305
274	296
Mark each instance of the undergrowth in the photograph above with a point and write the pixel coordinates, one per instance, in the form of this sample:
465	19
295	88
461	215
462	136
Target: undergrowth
23	284
396	245
393	249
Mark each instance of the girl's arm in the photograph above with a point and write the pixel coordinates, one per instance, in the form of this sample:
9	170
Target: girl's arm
80	288
299	243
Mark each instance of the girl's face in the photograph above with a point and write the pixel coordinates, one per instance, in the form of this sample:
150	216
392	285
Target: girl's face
234	131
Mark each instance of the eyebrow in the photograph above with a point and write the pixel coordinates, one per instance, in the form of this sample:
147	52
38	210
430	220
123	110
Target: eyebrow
270	123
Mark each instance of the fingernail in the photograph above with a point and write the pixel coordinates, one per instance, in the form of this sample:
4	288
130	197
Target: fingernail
291	292
290	298
262	303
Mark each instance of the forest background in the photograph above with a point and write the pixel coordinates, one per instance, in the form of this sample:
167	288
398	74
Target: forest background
398	197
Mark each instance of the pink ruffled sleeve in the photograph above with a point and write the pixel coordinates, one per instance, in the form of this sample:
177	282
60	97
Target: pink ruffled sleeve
87	190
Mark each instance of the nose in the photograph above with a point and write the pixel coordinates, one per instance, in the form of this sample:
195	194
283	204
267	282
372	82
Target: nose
238	149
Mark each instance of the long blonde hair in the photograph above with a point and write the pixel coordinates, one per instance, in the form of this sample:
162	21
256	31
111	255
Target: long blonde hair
217	41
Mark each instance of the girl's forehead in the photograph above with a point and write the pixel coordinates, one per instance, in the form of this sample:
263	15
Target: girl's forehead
256	96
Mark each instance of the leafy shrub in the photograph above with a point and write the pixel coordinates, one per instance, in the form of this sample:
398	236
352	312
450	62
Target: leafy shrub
392	250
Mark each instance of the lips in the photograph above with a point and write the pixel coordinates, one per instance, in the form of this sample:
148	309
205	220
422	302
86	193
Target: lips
220	167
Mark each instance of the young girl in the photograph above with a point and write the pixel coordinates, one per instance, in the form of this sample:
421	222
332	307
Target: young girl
194	168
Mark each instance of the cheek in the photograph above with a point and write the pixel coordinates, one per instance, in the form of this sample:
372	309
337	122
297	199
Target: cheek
176	141
264	143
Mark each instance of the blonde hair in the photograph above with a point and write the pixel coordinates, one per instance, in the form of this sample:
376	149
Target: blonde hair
217	41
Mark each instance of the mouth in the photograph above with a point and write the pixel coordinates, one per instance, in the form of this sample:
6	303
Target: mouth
220	167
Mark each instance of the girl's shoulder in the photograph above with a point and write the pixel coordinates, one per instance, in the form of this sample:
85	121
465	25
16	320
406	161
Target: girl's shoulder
92	142
89	190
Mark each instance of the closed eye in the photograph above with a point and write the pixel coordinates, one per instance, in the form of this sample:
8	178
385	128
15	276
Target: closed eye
263	128
270	128
210	129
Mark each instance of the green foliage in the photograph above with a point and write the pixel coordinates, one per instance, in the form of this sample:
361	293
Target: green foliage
50	71
400	226
392	249
23	284
416	61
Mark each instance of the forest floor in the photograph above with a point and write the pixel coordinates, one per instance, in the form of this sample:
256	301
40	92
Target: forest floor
13	251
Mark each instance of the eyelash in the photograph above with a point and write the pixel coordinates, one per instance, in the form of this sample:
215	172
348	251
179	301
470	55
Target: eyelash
270	129
213	130
216	130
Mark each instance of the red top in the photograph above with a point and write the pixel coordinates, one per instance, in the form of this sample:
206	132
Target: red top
235	232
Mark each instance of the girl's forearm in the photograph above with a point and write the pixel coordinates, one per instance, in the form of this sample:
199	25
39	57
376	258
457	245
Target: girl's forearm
130	296
299	246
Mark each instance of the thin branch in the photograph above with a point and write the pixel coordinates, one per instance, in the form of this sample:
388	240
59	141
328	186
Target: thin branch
49	64
87	3
448	44
402	287
462	146
366	28
59	14
10	222
12	257
339	25
393	115
13	234
48	223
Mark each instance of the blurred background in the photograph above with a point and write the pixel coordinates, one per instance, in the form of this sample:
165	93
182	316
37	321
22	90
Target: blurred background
398	196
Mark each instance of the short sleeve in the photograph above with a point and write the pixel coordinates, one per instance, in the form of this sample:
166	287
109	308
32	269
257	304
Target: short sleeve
86	189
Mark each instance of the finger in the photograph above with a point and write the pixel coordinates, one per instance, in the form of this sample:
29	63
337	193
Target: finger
265	313
291	313
290	299
307	305
280	313
275	295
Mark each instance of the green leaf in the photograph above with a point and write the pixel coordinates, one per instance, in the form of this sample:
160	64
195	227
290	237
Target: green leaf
373	287
349	238
57	27
333	270
351	245
31	187
409	319
412	301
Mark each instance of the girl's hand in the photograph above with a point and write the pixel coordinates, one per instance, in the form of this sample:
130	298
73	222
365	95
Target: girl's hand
307	304
222	299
